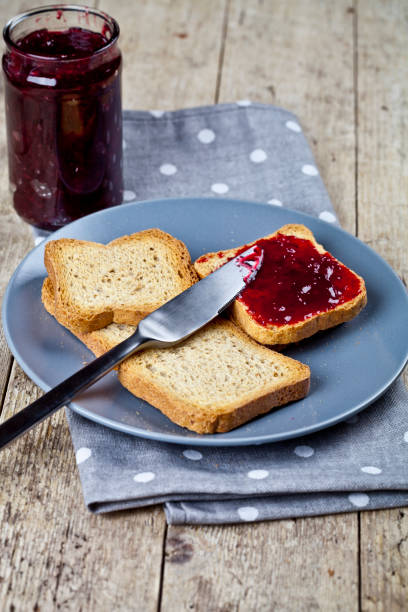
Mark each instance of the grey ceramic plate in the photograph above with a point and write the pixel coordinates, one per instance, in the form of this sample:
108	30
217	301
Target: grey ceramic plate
351	365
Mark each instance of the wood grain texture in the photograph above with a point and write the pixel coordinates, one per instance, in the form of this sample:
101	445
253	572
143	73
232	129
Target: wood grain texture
299	55
170	50
382	131
384	560
53	553
383	223
284	565
15	236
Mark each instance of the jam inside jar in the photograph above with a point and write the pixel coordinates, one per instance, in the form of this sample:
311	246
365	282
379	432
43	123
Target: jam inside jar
62	68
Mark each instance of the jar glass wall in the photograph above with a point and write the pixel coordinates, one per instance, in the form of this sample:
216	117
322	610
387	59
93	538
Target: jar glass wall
62	69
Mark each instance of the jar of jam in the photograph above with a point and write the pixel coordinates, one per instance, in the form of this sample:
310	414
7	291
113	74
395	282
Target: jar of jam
62	68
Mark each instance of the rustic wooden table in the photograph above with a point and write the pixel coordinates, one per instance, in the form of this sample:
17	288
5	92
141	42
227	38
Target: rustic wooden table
343	68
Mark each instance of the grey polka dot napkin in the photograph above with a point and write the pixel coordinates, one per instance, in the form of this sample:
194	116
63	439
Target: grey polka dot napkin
255	152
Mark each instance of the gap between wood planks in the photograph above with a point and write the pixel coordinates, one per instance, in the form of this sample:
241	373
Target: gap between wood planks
355	90
163	563
224	33
6	383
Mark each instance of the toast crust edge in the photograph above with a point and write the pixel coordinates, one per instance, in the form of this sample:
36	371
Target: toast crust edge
82	321
229	416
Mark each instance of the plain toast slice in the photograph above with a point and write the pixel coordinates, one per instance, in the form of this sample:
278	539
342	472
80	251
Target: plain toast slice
123	281
286	332
212	382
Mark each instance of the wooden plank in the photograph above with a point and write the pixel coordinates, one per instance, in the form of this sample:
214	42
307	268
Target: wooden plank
274	55
383	124
53	553
299	55
384	560
383	223
170	50
283	565
15	236
382	118
15	241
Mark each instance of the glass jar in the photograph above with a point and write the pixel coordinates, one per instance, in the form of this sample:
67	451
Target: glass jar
62	68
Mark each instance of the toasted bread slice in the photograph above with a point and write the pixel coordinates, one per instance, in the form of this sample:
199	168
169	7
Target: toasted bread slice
282	333
212	382
95	284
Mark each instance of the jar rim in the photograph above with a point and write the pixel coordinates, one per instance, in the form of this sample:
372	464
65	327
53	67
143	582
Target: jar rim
55	8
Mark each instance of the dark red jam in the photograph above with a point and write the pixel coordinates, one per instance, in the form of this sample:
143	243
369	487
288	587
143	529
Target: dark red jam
64	124
67	44
296	282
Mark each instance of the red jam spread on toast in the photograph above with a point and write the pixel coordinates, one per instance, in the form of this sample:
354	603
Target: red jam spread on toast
296	282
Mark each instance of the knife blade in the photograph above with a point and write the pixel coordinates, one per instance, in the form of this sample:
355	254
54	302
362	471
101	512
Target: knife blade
168	325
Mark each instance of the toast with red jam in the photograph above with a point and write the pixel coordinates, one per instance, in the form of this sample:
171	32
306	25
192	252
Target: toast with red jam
299	290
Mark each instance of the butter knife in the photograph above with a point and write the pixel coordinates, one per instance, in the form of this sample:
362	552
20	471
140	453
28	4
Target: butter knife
168	325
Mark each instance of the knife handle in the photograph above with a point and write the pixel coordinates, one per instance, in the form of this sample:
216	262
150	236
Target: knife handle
63	393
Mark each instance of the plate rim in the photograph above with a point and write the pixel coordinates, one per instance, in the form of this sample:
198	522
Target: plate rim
194	439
